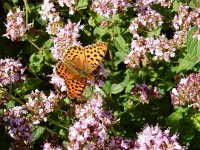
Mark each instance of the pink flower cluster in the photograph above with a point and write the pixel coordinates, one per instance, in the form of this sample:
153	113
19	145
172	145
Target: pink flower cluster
187	91
65	37
183	21
156	139
107	8
49	13
145	94
148	19
158	47
11	71
90	131
40	105
16	26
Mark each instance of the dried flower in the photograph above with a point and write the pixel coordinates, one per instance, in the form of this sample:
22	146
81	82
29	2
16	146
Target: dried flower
107	8
99	75
19	145
49	146
40	105
152	137
11	71
143	4
65	37
18	125
187	91
4	96
69	3
49	13
90	130
16	26
115	142
148	19
145	94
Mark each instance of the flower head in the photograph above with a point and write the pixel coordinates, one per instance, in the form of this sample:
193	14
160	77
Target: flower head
40	105
16	26
187	91
109	7
65	37
90	130
11	71
69	3
152	137
18	125
145	94
51	15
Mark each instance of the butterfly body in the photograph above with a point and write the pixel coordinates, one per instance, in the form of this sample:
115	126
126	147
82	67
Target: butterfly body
77	71
77	65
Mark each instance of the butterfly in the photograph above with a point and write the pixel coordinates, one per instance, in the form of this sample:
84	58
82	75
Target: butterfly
77	65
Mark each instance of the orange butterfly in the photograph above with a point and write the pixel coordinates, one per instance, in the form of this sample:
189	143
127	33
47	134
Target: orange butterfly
77	65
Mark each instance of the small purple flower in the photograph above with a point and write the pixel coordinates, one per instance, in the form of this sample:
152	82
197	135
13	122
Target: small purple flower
145	93
19	127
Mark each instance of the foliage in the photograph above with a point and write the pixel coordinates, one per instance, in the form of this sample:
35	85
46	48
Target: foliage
134	68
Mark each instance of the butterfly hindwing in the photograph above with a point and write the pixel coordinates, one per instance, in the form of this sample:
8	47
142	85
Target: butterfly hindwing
75	87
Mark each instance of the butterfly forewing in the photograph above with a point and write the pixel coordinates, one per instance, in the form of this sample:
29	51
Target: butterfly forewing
63	71
93	55
75	55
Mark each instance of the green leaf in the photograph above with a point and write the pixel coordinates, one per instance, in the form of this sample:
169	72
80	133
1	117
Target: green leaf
107	87
39	60
194	4
31	84
175	6
10	104
174	118
116	88
99	32
196	121
38	133
117	30
48	43
91	20
119	57
192	57
120	43
82	4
